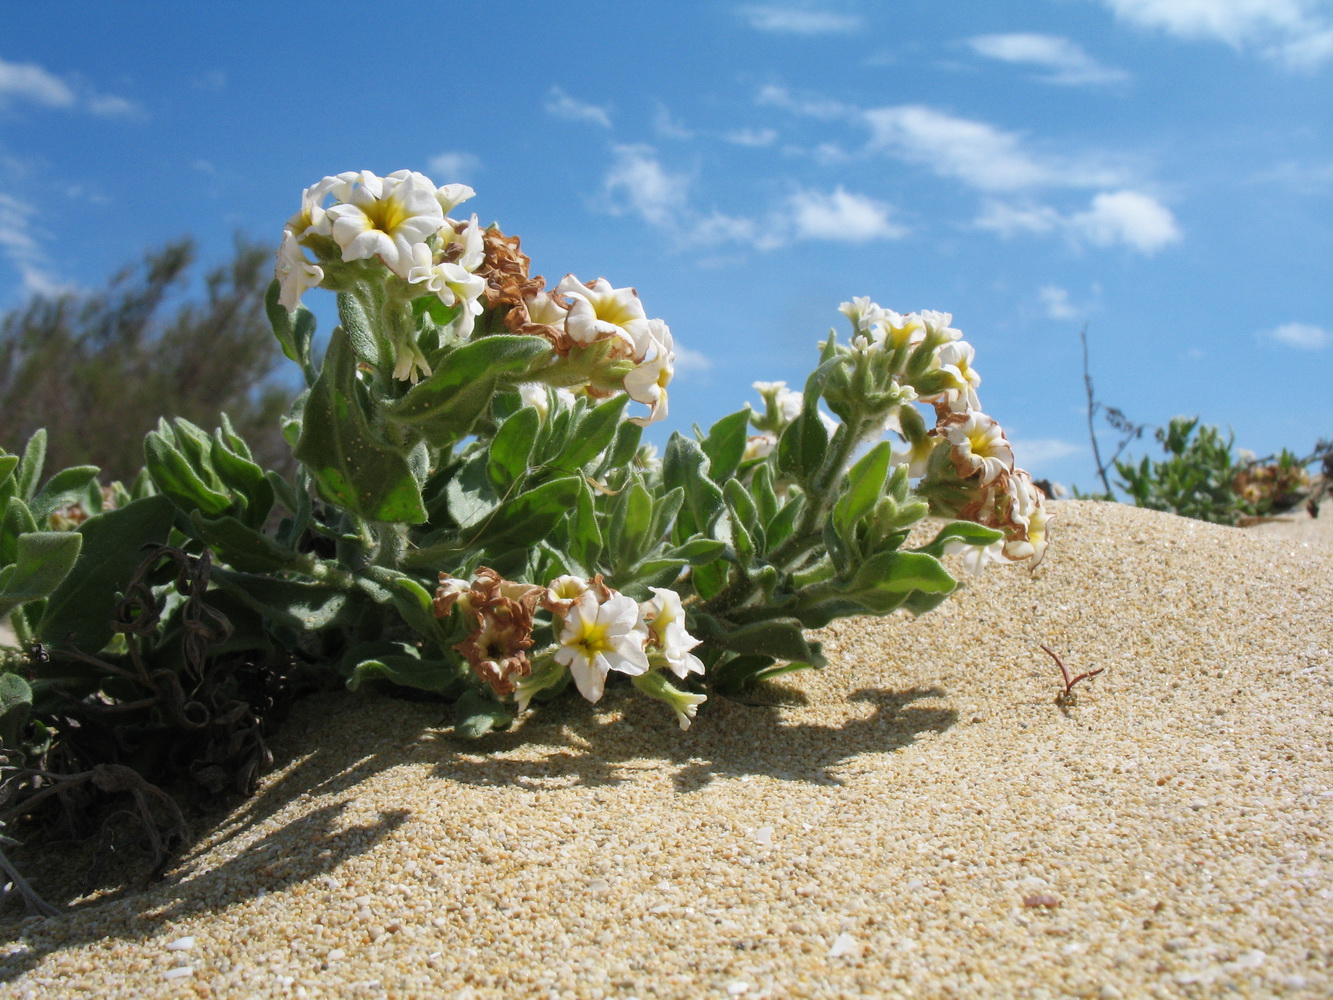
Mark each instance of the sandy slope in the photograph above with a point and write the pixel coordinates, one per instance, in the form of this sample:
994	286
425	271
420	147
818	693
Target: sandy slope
920	819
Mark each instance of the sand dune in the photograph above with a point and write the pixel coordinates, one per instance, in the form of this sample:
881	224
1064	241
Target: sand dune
919	819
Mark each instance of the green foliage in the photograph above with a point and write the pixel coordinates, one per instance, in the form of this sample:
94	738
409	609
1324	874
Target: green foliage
1196	479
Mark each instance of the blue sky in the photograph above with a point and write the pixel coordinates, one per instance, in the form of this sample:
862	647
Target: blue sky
1159	169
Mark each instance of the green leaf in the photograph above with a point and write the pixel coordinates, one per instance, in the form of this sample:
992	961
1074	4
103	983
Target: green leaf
591	432
526	518
294	330
765	498
623	447
511	447
725	445
585	536
779	638
699	551
803	444
900	573
241	546
80	611
15	704
65	487
243	477
174	477
352	466
682	465
296	604
741	504
17	521
631	521
44	559
360	333
30	468
962	531
862	490
476	715
8	463
401	664
444	406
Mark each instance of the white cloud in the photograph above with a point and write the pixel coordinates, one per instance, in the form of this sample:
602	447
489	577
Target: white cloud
1298	33
20	248
1129	217
669	128
1055	301
28	81
780	97
690	360
799	20
1067	62
1302	336
637	182
1010	220
1032	453
841	215
561	105
977	153
752	137
453	167
111	106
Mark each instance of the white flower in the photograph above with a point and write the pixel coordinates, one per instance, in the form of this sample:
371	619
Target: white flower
473	244
294	273
937	323
450	196
313	218
862	312
955	360
759	445
669	641
977	557
598	638
1028	514
386	217
600	312
902	331
451	282
979	445
647	383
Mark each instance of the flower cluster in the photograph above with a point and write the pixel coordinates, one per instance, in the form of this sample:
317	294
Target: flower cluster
964	464
966	448
480	279
596	630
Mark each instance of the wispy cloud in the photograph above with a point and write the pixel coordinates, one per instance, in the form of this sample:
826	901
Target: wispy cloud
1033	453
1055	303
638	183
668	127
799	19
19	246
690	360
30	83
842	215
1065	61
1295	33
1302	336
454	167
561	105
756	137
975	152
777	96
1117	218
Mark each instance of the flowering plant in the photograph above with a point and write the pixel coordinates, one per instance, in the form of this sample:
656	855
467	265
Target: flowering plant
475	514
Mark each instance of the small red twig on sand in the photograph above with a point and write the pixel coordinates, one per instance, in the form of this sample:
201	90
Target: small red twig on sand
1064	672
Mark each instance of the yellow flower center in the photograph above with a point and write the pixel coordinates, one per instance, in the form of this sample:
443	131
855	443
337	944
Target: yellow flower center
386	214
592	639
